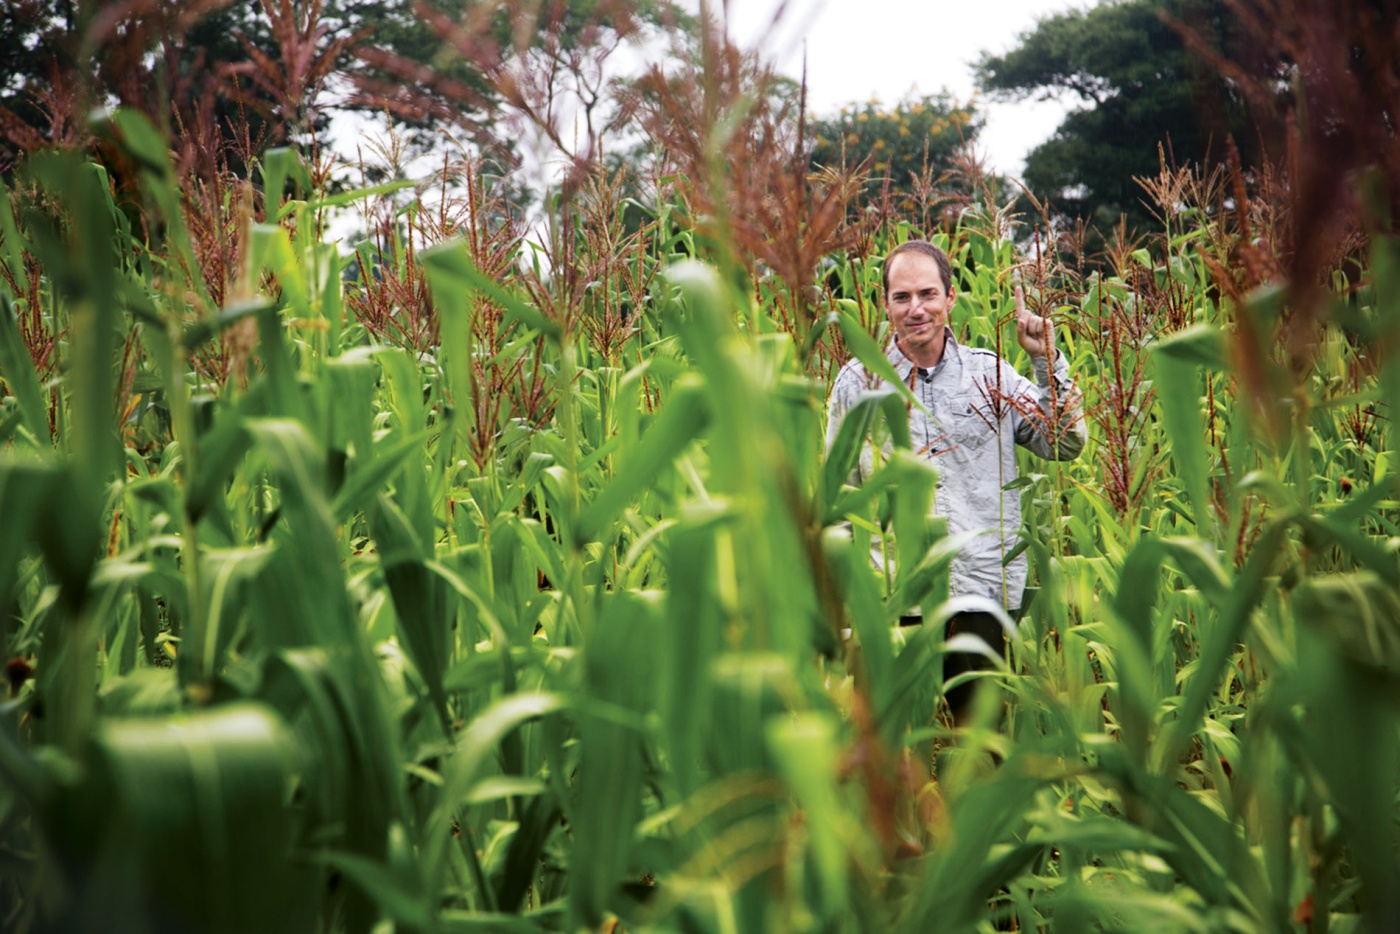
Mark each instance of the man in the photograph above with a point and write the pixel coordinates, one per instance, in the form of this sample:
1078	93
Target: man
978	408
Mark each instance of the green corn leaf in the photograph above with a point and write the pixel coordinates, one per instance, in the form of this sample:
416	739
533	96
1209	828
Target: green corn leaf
270	251
678	426
228	573
805	751
1341	689
868	615
390	459
1359	614
221	449
1359	547
619	667
845	451
474	754
392	896
1200	345
342	198
279	165
521	867
200	807
952	889
348	770
17	368
132	132
693	639
873	358
920	663
405	399
26	486
1179	393
1241	602
455	303
201	332
420	600
12	245
929	573
915	480
83	263
449	261
284	395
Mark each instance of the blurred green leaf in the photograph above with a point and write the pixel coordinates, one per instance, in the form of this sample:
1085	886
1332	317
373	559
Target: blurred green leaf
17	369
448	262
679	425
193	812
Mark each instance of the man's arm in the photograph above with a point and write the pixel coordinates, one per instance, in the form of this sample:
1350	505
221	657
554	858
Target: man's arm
1058	432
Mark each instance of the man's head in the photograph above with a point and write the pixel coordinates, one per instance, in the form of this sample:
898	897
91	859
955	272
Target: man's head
922	248
918	297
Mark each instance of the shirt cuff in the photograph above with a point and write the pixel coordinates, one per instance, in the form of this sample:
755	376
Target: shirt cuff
1042	370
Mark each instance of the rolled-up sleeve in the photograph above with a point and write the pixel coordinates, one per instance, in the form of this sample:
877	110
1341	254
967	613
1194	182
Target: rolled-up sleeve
1058	432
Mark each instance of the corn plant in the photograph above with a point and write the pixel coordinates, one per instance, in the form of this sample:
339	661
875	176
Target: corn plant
467	582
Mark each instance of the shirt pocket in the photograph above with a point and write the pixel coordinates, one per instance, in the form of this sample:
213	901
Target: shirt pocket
973	422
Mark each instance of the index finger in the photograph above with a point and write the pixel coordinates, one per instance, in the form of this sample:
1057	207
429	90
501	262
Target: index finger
1020	301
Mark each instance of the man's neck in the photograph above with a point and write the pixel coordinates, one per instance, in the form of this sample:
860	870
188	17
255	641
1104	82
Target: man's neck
929	355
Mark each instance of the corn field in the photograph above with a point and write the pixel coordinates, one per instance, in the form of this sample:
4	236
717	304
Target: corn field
476	581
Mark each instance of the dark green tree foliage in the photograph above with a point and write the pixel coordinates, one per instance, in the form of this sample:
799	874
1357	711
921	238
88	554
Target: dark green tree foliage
252	72
911	144
1139	87
60	58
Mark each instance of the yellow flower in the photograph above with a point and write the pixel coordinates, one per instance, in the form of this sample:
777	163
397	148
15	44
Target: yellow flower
879	144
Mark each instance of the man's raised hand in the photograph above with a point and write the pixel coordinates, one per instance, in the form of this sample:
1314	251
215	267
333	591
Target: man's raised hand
1036	334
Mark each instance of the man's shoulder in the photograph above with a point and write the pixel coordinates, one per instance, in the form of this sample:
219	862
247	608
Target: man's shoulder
982	358
853	369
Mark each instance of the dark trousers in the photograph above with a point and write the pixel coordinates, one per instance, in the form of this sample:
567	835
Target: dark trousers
980	624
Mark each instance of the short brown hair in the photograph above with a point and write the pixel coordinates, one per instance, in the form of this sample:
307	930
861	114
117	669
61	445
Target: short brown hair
945	269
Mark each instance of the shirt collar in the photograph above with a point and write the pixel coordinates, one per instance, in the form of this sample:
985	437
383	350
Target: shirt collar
904	366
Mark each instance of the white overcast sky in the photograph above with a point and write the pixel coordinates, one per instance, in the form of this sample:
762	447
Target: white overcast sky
859	49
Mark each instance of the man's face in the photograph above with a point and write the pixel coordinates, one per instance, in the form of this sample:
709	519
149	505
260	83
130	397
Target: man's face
917	303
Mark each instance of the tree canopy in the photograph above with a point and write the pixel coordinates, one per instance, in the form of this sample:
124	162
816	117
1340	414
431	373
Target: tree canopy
910	146
1138	86
425	64
61	57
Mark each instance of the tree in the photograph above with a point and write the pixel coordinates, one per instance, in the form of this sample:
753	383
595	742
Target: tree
911	147
267	61
1140	87
459	62
209	72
